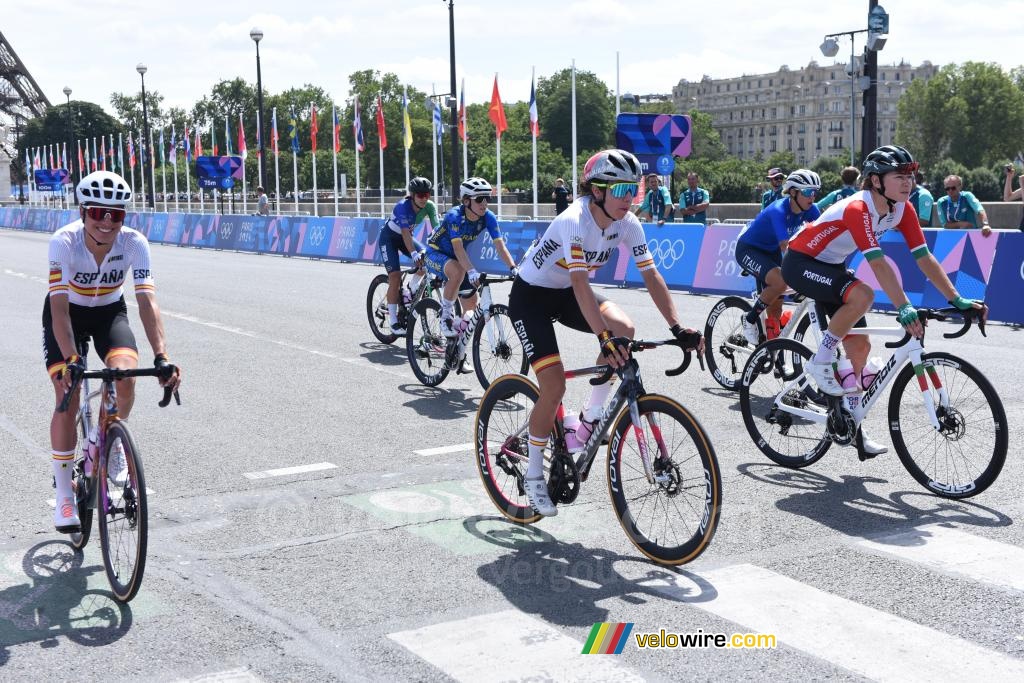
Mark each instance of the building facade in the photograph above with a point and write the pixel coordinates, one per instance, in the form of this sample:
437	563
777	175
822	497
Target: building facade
805	111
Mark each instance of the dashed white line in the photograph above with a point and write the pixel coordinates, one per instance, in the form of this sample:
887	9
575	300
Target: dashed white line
285	471
458	448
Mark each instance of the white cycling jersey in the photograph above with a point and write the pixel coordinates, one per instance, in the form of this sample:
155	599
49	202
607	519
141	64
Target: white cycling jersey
573	242
73	269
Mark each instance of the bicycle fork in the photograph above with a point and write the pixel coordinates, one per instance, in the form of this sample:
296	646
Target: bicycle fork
925	374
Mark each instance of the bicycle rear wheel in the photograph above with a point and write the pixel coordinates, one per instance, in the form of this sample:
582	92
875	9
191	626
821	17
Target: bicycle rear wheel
725	348
497	349
502	432
123	517
83	488
673	518
377	309
425	345
965	456
788	439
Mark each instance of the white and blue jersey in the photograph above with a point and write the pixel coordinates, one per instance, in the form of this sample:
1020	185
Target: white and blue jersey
455	226
776	223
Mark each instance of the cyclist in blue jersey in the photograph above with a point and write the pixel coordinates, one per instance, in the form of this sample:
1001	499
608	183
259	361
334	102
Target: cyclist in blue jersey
760	244
446	249
849	177
396	236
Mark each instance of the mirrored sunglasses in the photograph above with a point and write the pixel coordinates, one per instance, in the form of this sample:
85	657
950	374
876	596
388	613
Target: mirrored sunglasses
98	213
620	190
481	200
809	191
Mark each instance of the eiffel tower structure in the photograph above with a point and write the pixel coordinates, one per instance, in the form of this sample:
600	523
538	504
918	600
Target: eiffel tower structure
21	99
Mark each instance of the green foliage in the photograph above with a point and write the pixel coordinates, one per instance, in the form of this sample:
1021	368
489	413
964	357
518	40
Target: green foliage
86	120
595	111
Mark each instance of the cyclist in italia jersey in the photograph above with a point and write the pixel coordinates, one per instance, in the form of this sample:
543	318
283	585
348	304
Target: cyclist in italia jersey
396	237
760	245
90	260
815	263
446	249
554	284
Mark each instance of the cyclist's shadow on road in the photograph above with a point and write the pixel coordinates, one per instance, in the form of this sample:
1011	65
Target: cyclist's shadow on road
439	404
58	602
847	505
568	583
380	353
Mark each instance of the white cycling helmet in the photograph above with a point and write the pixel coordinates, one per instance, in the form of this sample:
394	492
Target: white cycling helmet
613	166
103	188
802	179
474	187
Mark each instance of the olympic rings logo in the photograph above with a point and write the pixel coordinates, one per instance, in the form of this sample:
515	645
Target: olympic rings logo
316	235
666	253
225	231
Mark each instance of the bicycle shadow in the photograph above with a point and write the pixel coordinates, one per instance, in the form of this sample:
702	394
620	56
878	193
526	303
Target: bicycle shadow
567	583
847	506
58	602
385	354
439	404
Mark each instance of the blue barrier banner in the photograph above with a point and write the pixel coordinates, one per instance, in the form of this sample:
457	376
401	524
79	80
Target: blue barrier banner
694	258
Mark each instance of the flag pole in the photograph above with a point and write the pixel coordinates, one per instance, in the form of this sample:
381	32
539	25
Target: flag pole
316	209
295	179
244	153
277	162
355	138
465	139
163	169
380	149
574	164
533	137
406	134
617	110
335	141
497	141
174	163
152	167
188	178
433	137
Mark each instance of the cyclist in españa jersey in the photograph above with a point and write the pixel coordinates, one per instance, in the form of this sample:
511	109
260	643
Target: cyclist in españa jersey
815	266
396	236
760	245
89	262
446	249
554	284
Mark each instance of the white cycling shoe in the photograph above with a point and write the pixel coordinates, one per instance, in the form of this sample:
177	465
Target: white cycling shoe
65	516
449	326
866	448
540	500
824	375
398	330
117	465
750	331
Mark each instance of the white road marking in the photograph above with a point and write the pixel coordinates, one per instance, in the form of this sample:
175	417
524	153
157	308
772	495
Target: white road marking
285	471
864	640
458	448
956	552
528	649
240	675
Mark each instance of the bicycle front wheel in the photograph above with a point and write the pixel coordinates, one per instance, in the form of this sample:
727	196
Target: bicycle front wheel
671	515
377	309
966	454
123	516
425	345
781	406
497	349
502	429
725	348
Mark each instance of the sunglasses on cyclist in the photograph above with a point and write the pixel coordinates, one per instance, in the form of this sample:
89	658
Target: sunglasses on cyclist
952	188
421	195
620	190
809	191
98	213
481	200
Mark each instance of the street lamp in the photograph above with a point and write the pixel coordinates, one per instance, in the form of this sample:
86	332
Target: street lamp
22	176
257	35
830	48
141	68
67	132
454	103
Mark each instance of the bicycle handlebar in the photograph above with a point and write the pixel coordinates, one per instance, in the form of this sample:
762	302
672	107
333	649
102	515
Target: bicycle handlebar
971	315
114	374
690	340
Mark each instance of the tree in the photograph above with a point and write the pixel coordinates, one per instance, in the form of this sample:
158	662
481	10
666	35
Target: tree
706	141
87	121
595	125
129	108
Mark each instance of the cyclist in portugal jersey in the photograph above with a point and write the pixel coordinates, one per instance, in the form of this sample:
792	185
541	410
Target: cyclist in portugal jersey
89	262
815	266
396	236
554	284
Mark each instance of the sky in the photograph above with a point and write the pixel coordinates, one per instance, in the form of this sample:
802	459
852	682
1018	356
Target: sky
93	47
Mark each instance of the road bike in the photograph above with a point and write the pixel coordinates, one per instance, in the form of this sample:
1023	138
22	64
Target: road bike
950	434
121	507
496	347
377	302
727	349
663	477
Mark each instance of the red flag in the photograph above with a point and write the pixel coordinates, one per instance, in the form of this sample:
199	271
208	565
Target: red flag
313	128
243	151
103	153
337	130
199	144
496	112
462	112
381	133
81	159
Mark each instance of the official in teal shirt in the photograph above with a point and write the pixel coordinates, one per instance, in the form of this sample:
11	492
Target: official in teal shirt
922	200
849	177
959	209
694	201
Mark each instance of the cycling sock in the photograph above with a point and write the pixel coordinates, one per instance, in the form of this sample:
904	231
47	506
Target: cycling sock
826	351
536	467
598	396
393	313
756	311
63	462
447	308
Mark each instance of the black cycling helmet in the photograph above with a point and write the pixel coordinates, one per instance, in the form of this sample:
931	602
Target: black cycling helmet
889	158
420	184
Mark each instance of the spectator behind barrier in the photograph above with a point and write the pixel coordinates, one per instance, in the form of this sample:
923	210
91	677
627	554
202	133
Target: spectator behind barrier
961	209
922	200
1009	194
694	201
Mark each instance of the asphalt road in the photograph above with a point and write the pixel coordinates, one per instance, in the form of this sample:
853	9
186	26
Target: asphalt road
384	563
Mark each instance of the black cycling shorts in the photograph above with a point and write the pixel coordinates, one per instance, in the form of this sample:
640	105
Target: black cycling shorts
758	262
390	243
534	311
107	326
828	284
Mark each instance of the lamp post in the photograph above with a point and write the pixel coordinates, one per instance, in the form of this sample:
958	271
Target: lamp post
141	68
67	133
21	171
257	35
829	48
454	103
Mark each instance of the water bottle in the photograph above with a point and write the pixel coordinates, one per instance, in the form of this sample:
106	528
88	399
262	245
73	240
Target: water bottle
91	450
406	296
571	423
867	376
846	376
